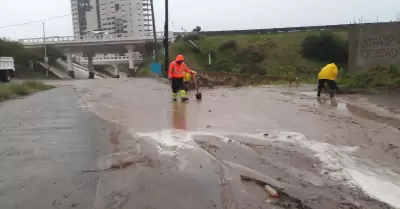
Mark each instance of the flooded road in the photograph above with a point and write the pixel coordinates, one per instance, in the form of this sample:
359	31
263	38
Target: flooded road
153	153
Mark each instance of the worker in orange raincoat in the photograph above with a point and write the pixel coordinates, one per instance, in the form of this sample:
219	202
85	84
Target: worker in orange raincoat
328	75
176	73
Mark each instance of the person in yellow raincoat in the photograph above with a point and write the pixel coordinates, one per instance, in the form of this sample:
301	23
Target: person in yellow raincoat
328	75
188	77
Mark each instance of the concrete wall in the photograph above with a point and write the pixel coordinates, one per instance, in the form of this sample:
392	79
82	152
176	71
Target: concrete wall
374	44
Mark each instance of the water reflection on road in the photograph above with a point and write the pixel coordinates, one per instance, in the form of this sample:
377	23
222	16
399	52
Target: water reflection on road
179	116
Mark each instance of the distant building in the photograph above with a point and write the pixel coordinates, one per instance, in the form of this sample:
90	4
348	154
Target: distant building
128	17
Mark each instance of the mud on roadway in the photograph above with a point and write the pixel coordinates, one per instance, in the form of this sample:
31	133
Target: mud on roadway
127	145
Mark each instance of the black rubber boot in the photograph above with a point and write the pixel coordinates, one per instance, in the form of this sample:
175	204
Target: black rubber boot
184	99
332	94
319	93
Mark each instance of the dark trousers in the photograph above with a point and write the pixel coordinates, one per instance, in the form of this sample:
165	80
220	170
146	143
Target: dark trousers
332	86
177	84
186	85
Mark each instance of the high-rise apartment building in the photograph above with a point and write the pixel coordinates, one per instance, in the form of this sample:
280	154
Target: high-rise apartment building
128	17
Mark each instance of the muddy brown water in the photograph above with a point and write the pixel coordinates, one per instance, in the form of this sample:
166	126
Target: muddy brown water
317	153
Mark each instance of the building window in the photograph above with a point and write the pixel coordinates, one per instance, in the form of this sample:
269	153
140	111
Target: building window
116	7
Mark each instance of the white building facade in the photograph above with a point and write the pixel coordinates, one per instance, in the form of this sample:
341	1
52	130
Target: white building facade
129	17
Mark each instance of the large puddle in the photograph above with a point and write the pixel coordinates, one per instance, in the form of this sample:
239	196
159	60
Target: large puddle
162	168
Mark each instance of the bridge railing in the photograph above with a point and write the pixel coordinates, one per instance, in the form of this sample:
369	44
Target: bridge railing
91	38
112	58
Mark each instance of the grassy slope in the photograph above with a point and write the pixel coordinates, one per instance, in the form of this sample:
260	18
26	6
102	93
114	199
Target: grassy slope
11	90
281	50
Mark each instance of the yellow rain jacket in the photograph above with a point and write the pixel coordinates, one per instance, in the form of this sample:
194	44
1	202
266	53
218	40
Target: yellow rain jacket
188	75
329	72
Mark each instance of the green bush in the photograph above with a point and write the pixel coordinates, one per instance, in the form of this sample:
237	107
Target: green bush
376	77
5	94
194	37
37	85
178	37
149	46
10	90
232	44
144	72
325	47
197	29
249	55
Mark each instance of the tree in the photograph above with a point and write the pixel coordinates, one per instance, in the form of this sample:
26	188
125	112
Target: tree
21	55
53	54
197	29
325	47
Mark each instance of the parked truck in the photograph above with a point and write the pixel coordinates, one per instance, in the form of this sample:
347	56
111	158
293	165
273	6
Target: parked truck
7	69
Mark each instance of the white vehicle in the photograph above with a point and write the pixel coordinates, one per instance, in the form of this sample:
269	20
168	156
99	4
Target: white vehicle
7	69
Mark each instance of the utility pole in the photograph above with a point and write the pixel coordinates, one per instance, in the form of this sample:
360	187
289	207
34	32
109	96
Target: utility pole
166	54
154	30
46	59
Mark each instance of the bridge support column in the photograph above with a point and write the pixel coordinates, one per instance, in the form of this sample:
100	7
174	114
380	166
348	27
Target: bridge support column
69	64
90	66
116	70
131	70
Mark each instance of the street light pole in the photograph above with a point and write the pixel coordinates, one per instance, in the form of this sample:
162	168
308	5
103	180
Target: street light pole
45	51
154	30
166	60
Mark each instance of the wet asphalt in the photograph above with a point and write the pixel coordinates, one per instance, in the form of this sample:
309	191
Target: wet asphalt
124	144
46	141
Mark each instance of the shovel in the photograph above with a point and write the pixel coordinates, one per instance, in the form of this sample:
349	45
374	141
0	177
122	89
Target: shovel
198	94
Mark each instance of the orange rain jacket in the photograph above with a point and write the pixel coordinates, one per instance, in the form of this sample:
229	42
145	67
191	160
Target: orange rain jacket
178	70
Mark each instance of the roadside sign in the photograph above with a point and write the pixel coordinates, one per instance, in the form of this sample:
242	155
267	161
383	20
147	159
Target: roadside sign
155	68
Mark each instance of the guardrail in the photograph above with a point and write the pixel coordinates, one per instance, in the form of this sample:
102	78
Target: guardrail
91	38
274	30
136	56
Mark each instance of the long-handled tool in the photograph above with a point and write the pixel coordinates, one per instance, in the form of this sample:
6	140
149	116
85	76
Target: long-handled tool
198	94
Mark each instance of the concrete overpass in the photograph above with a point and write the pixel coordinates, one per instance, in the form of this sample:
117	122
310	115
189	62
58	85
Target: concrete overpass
111	59
90	45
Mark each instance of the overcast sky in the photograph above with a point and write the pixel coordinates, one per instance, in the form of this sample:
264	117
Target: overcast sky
209	14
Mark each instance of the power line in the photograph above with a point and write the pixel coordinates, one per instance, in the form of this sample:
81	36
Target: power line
9	26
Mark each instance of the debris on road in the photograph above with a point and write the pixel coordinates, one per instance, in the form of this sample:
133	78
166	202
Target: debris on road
268	188
271	191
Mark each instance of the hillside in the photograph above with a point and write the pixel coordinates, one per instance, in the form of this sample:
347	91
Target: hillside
271	53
